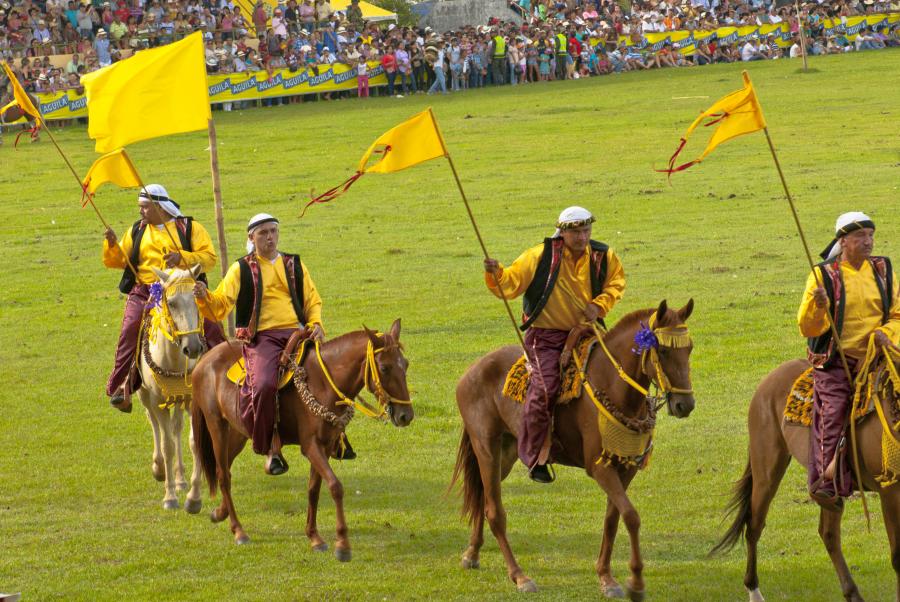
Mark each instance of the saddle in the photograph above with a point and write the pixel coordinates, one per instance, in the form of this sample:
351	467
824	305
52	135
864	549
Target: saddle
297	348
581	339
799	406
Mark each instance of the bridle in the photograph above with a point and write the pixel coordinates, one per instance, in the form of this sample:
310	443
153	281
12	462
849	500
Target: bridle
166	323
372	382
659	336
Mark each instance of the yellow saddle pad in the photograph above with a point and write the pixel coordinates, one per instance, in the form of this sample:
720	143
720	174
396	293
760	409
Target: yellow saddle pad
518	376
237	373
798	409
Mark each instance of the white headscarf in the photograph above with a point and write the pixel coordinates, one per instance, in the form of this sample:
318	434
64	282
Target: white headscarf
845	224
573	217
255	222
159	195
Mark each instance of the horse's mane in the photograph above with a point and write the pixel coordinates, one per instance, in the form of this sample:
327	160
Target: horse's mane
628	320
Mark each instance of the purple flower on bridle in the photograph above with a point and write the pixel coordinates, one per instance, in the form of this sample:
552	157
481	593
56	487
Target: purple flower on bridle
156	293
644	340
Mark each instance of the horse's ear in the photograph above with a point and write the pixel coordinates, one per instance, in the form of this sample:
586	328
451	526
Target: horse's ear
686	311
195	271
160	274
395	330
372	336
661	312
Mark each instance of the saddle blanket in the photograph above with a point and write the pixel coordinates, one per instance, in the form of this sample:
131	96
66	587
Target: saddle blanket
519	375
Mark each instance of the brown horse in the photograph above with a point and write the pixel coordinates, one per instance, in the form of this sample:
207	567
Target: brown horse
492	421
310	416
772	444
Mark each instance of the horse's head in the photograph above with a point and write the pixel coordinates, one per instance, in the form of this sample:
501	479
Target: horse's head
387	367
669	358
180	315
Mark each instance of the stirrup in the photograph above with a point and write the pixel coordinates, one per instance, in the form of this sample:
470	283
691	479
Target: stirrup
542	473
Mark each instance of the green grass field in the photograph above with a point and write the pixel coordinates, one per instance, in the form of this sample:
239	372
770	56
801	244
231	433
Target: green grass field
81	516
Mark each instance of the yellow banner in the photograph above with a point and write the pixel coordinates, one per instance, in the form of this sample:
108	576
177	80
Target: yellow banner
237	86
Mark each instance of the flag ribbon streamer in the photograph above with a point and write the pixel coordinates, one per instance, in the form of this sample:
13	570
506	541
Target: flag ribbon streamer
333	193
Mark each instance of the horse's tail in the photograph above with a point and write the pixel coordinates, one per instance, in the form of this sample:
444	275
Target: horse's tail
740	507
205	453
473	489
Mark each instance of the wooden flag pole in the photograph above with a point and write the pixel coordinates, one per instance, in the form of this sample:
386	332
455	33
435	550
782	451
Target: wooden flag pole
802	36
90	197
217	198
834	332
477	232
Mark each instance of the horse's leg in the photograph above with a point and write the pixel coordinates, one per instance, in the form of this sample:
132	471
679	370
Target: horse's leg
890	509
312	507
319	461
508	457
609	587
768	462
488	454
612	483
192	502
235	447
222	438
830	532
177	427
166	428
158	466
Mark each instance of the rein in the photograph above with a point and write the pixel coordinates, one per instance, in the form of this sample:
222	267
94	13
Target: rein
166	324
372	382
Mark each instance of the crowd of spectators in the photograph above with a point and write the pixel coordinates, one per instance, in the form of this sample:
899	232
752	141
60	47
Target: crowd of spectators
557	39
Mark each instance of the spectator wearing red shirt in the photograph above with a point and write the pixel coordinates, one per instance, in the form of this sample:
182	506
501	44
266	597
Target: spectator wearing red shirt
389	64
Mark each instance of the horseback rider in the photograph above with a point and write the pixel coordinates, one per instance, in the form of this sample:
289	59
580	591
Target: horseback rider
273	296
165	239
858	291
567	280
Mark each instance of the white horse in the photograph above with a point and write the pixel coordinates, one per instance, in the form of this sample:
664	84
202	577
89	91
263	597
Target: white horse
169	350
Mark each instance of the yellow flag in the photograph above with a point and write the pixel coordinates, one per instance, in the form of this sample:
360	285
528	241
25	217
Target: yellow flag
20	95
412	142
736	114
115	167
154	93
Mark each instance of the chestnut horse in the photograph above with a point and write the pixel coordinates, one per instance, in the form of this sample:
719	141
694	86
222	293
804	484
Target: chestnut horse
492	421
312	416
772	444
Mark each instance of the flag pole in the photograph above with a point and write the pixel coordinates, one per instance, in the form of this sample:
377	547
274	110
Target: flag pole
834	332
802	36
217	198
477	231
90	197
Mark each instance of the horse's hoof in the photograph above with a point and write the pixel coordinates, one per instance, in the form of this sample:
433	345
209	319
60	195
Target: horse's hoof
613	590
756	595
634	595
171	505
159	472
193	506
343	554
321	547
470	563
527	586
216	517
241	538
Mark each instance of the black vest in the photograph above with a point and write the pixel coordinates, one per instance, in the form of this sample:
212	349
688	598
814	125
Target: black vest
248	305
547	272
184	226
820	349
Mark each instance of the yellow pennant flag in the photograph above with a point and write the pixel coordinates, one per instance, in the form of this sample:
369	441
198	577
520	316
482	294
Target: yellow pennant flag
20	96
115	167
734	115
414	141
154	93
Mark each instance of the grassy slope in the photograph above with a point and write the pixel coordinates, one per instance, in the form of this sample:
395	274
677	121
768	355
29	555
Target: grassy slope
80	515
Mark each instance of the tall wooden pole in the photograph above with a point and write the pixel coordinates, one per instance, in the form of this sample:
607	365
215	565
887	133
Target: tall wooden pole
217	197
802	36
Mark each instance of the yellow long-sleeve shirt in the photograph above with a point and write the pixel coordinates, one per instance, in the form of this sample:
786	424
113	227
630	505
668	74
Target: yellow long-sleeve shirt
862	310
572	291
155	244
277	309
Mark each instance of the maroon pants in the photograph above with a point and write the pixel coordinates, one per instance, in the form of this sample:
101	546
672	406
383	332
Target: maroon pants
128	338
261	386
544	348
832	395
